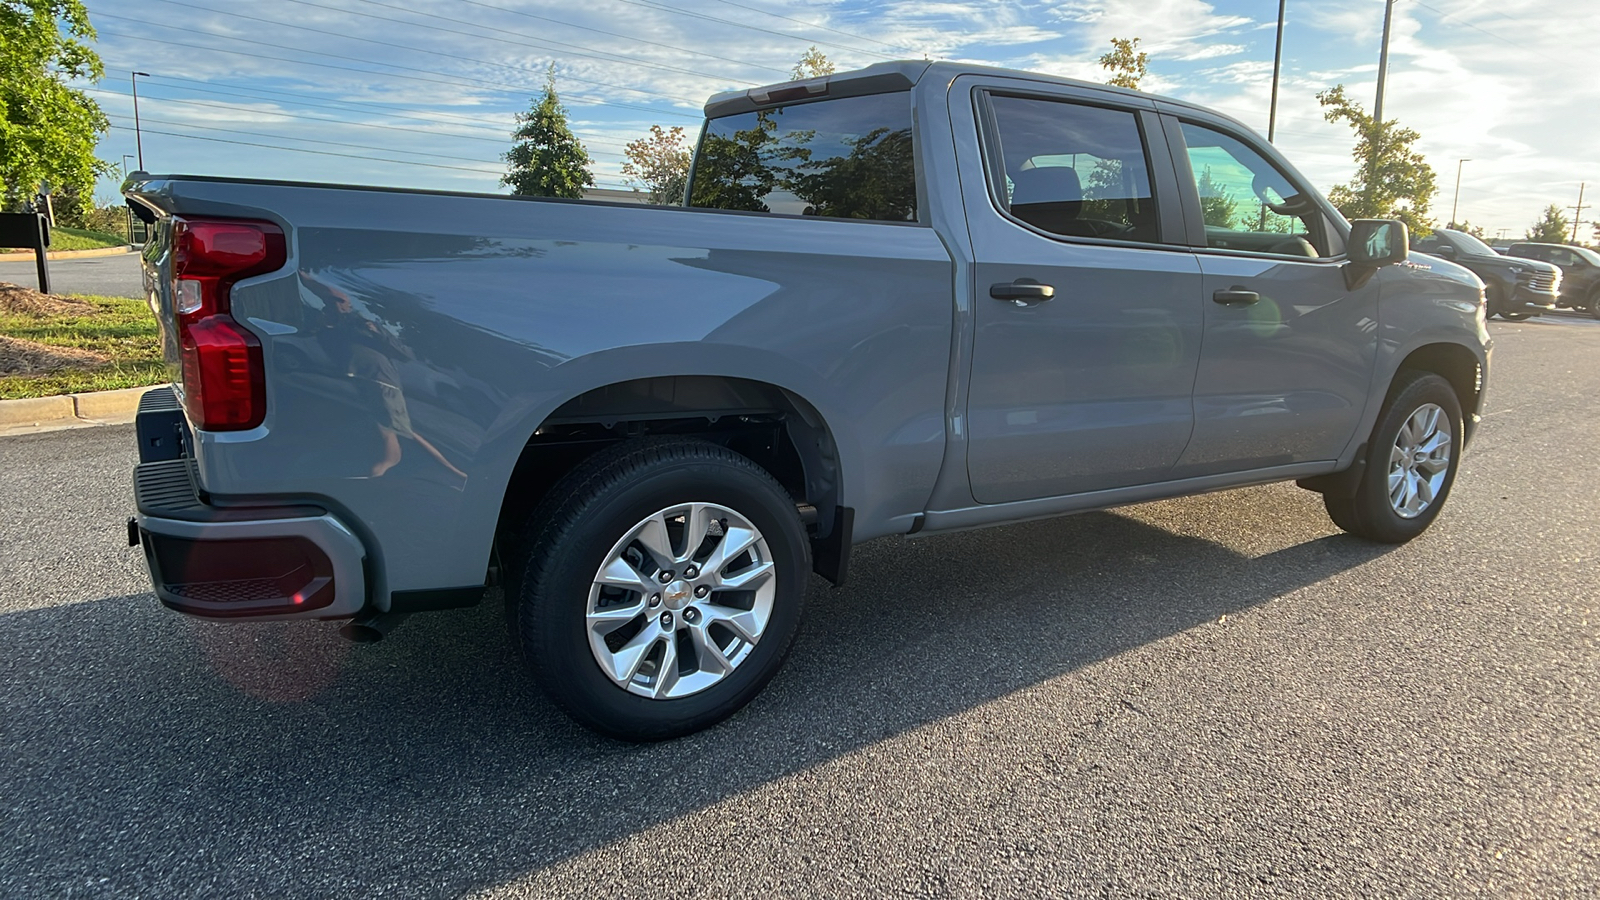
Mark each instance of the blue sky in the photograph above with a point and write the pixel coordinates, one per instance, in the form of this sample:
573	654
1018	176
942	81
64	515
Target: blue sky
421	93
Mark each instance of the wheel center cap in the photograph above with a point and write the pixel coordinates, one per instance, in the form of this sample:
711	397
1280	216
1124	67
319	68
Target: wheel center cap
676	595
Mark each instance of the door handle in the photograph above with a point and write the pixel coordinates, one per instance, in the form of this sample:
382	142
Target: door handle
1236	296
1024	289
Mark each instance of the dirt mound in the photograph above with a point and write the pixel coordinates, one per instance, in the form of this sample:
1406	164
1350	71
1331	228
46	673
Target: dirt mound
16	299
18	357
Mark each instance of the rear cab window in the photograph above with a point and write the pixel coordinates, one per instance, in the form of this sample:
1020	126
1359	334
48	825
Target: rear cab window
844	158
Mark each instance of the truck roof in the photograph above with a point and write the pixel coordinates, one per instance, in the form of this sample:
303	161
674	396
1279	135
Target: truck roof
885	77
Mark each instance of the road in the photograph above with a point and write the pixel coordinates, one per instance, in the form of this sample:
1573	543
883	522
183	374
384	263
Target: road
113	276
1211	697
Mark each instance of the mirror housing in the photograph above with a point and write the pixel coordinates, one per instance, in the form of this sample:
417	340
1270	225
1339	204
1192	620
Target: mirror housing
1374	243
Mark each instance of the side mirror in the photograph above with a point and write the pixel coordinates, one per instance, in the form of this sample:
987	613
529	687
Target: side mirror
1446	251
1374	243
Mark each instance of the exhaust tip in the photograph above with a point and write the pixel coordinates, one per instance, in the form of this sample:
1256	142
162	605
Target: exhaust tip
370	629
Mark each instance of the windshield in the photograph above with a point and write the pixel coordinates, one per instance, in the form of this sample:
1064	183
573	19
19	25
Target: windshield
1468	244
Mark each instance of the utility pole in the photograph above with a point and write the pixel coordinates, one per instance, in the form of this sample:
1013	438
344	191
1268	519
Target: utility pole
1277	65
1383	61
1457	201
1577	212
138	136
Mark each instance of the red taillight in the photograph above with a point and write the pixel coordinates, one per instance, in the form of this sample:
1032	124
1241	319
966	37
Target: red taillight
224	384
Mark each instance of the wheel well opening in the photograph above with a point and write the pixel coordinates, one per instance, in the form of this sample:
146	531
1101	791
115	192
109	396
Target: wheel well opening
1457	365
773	427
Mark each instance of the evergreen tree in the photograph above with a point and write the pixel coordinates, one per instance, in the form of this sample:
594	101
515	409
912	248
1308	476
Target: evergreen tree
48	131
1552	227
547	159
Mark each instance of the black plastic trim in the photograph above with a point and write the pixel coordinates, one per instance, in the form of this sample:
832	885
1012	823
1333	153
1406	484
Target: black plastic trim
434	599
830	556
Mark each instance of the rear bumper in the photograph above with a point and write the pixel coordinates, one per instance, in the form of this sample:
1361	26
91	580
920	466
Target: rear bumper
288	561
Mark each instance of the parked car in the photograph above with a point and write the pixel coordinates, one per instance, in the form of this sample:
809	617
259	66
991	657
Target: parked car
1580	268
911	299
1514	288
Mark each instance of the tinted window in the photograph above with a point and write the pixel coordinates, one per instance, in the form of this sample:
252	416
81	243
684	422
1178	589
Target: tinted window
1247	203
848	158
1073	170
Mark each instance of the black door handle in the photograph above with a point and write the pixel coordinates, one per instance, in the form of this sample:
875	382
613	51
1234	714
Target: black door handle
1022	289
1236	296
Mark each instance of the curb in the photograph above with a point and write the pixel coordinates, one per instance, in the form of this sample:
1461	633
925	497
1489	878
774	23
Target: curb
66	254
70	410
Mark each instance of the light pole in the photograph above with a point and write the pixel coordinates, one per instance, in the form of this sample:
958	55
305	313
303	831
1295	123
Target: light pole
138	137
1383	62
1457	202
1277	65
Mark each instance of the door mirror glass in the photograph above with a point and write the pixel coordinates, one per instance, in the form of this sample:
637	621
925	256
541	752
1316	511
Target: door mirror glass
1445	250
1378	242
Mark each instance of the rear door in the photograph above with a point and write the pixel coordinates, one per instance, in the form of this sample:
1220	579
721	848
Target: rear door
1289	350
1071	192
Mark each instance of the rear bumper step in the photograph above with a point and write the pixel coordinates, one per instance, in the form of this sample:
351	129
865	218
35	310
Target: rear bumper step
275	562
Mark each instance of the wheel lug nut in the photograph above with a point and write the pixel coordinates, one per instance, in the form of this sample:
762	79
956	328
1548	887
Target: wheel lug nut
702	591
666	620
691	572
655	599
665	576
690	615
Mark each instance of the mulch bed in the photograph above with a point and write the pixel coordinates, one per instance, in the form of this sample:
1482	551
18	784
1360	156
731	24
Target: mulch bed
19	357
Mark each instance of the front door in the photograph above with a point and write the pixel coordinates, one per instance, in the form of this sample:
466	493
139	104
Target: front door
1289	350
1087	388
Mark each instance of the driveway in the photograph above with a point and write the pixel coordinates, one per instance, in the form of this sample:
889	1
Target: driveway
114	276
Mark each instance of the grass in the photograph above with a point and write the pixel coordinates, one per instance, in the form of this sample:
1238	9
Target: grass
79	239
120	328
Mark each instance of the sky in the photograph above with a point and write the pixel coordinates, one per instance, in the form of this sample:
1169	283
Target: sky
422	93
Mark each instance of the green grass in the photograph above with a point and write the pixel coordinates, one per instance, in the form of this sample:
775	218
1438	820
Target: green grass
79	239
121	328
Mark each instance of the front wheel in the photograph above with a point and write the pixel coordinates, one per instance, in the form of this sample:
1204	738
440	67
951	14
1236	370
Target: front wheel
1594	304
1515	316
661	587
1411	463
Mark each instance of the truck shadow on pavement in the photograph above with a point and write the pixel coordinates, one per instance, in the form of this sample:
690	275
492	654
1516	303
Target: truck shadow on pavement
154	755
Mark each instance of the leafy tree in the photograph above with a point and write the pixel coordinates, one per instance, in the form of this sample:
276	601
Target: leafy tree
48	131
1474	230
733	172
873	181
547	159
1126	66
659	164
1551	228
1393	180
814	64
1216	202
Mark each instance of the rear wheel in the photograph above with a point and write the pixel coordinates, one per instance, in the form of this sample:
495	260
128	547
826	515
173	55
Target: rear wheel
1515	316
661	587
1594	304
1411	463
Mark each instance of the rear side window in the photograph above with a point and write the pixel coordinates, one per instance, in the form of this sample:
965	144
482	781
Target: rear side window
849	158
1073	170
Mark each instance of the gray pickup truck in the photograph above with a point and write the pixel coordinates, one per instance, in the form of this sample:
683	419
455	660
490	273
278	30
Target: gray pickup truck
904	300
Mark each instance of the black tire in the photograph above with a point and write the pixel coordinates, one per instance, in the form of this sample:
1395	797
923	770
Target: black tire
1516	316
1594	304
576	527
1368	513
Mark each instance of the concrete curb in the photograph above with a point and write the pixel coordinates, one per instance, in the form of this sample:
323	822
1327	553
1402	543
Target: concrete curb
66	254
69	411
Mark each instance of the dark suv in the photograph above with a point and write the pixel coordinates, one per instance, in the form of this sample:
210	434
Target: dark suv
1580	269
1515	288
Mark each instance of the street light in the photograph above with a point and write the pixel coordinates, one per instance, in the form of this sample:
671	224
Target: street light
138	137
1277	64
125	169
1457	202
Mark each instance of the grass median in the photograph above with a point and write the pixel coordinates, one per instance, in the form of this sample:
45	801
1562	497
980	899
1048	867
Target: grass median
52	344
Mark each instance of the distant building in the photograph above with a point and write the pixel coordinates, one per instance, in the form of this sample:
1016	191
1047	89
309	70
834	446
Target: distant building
616	196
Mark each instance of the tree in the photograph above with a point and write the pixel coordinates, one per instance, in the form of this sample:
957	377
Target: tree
659	164
1126	66
547	159
1217	204
48	131
814	64
1393	180
1551	228
1474	230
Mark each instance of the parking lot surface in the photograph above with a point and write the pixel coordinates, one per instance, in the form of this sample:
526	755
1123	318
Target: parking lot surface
113	276
1211	697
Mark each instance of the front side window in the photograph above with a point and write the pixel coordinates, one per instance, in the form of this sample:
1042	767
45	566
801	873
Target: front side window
1073	170
1247	203
847	158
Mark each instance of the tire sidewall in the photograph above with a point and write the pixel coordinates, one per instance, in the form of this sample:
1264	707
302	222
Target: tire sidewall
1374	491
553	607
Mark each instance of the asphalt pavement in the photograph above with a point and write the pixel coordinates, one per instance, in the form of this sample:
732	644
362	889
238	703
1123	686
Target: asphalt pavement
112	276
1218	696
